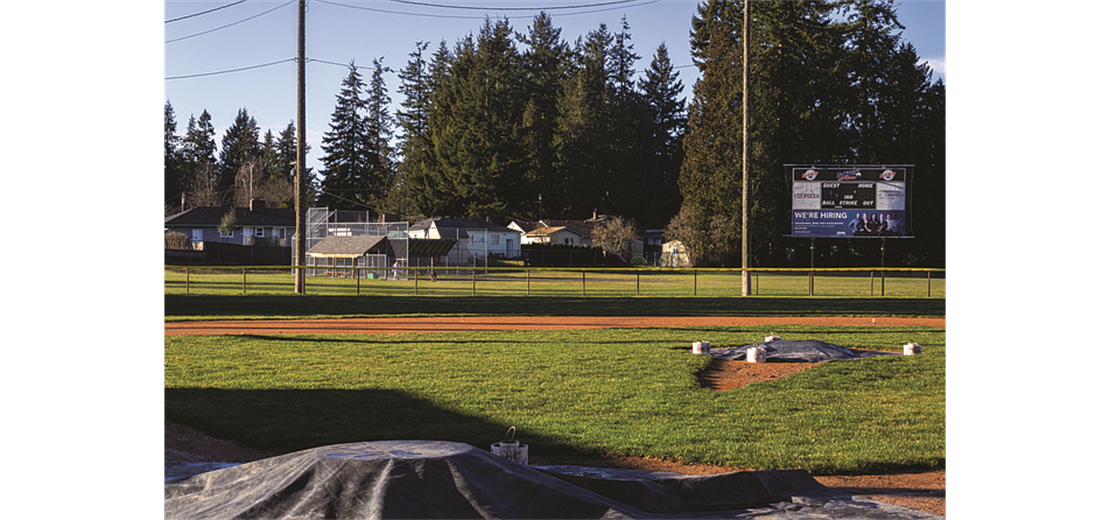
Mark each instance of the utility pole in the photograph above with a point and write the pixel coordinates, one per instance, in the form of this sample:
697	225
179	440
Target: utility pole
299	242
746	277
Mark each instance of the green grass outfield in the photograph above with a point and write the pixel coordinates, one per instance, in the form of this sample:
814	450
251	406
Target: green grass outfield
593	392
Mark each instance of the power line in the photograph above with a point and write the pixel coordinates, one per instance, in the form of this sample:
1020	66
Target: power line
476	8
186	17
249	18
466	17
229	71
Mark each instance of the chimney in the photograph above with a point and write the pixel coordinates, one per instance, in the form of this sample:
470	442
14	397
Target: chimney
258	204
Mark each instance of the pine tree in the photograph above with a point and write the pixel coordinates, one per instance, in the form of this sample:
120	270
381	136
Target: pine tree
199	145
545	67
710	175
239	147
382	168
175	174
354	166
661	90
477	148
582	139
199	156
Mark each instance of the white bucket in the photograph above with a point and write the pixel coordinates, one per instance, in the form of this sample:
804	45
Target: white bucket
757	355
512	450
910	349
769	339
701	347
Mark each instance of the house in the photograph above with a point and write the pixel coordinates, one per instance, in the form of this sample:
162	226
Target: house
255	225
554	231
476	238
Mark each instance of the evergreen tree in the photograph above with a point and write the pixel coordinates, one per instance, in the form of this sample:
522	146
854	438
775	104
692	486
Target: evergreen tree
477	149
198	148
582	137
412	121
820	91
198	151
710	179
353	163
545	68
175	174
239	147
382	167
661	90
423	189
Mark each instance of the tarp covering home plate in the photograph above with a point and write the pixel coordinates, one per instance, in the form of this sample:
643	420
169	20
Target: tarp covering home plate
435	479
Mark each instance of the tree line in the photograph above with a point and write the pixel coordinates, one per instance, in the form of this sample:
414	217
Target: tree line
247	165
830	82
510	125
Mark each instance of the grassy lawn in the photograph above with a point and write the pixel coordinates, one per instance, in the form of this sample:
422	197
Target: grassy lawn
220	295
598	392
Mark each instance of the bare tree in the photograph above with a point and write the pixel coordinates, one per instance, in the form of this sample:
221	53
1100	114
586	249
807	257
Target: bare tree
249	181
615	235
203	188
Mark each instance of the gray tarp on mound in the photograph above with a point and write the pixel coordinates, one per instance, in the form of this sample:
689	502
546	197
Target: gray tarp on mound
434	479
805	351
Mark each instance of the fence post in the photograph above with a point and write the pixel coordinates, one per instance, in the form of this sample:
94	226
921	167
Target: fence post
637	283
584	280
872	282
695	282
244	280
473	282
528	282
929	284
186	280
416	282
358	282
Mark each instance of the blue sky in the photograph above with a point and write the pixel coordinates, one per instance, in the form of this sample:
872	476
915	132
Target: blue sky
262	34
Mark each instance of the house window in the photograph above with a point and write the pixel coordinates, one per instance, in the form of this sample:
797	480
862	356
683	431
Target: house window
224	234
495	240
258	232
568	241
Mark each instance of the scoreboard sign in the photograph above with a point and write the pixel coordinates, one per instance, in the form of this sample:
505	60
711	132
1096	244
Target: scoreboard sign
849	201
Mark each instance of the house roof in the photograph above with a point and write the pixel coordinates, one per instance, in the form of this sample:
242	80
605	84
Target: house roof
548	231
210	216
430	246
582	227
460	223
347	247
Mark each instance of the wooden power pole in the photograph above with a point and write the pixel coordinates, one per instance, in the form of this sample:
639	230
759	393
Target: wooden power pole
746	277
299	202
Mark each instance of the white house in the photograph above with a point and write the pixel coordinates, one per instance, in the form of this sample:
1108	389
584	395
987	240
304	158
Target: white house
555	232
476	238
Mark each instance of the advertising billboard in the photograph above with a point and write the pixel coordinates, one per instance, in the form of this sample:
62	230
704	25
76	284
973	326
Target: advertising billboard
850	201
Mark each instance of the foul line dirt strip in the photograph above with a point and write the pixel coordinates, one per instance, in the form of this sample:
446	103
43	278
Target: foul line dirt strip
492	323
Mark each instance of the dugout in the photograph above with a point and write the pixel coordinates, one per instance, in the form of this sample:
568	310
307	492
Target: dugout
375	253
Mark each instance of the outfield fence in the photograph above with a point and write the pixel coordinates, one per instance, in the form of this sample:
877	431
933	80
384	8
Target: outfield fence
538	281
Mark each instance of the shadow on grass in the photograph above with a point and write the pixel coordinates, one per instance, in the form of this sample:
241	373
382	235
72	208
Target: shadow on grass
293	420
293	306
